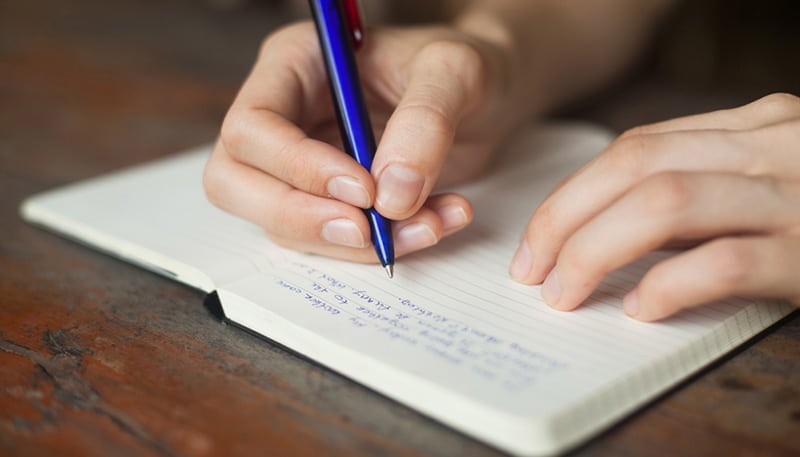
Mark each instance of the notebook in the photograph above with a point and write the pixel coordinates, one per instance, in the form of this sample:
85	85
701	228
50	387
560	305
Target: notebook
450	335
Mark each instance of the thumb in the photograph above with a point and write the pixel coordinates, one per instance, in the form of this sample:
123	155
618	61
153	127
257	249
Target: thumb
445	81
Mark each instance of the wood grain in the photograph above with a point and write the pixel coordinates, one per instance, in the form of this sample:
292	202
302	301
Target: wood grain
98	357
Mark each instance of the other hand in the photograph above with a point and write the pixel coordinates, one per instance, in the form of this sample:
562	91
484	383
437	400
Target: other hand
728	182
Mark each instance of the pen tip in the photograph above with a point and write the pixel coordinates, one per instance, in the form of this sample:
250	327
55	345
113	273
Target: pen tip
390	270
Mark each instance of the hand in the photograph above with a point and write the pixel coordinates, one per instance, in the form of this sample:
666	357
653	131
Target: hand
726	181
434	94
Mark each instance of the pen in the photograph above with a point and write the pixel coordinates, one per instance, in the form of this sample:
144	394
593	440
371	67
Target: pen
339	30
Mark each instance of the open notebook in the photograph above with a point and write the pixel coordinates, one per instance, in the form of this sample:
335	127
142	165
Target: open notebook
451	335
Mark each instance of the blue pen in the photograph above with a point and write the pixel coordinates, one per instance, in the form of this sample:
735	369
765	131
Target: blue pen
337	38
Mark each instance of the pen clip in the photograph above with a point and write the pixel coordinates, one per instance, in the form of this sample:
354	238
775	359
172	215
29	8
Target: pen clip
352	13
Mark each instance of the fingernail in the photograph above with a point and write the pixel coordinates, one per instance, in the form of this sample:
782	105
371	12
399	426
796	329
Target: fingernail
521	263
398	189
631	303
349	190
343	232
551	289
414	237
453	217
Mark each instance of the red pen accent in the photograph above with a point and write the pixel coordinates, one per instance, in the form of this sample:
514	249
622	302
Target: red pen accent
353	15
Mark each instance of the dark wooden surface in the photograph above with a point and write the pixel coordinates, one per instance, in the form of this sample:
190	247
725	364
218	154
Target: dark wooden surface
98	357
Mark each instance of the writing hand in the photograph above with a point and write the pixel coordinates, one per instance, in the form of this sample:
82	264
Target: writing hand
727	181
278	161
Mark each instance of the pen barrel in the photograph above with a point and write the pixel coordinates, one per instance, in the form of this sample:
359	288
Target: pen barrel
345	85
384	245
336	42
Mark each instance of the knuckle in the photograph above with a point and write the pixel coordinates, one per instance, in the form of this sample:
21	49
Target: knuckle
780	103
286	36
454	55
267	43
293	164
632	132
429	117
732	261
627	155
773	187
544	220
667	192
233	132
289	159
460	59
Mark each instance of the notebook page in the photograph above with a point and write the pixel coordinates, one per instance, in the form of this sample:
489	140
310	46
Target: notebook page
450	335
156	215
453	336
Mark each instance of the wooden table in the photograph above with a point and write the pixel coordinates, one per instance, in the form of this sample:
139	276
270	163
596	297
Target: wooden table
98	357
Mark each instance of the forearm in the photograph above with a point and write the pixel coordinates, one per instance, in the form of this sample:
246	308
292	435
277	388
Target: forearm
561	49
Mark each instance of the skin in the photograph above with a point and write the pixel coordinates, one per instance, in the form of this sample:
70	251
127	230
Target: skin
726	182
442	100
444	97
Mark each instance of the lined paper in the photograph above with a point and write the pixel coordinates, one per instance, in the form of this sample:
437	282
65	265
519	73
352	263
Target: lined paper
451	334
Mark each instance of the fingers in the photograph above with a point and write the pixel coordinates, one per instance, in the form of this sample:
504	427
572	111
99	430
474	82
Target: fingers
731	177
289	77
603	180
751	266
767	110
441	216
271	203
319	225
630	160
774	148
266	127
444	82
665	207
267	142
277	166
